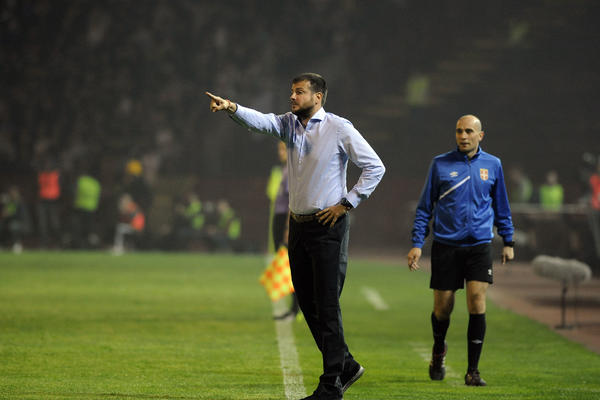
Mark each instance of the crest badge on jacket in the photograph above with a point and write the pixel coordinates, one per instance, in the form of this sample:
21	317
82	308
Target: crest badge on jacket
483	173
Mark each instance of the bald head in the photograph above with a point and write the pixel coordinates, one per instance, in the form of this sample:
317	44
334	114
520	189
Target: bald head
468	134
471	120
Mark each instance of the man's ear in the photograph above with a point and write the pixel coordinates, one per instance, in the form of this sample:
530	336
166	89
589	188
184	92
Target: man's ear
481	135
319	97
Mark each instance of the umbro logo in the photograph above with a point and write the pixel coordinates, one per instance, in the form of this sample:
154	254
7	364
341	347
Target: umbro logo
453	174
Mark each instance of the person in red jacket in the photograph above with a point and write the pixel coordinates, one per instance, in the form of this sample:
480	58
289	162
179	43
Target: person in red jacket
131	222
595	204
595	188
49	195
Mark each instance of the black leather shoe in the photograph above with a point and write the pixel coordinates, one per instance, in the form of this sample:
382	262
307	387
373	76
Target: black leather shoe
314	396
351	376
322	394
472	378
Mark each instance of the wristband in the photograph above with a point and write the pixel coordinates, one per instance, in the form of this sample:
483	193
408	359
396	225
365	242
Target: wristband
509	244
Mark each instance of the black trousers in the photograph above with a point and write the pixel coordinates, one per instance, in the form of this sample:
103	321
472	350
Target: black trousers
318	260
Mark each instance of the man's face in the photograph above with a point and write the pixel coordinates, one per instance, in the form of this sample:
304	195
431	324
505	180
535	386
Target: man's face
303	100
468	135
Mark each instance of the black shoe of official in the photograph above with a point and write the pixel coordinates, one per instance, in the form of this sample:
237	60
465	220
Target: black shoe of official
317	396
348	378
472	378
437	369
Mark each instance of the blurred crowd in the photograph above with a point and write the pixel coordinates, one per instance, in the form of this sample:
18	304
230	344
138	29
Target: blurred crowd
88	87
89	79
73	212
545	224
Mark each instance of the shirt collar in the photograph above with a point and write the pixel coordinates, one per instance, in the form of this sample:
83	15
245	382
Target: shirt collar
318	116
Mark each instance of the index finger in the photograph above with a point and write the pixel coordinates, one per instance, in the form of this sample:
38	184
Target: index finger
212	96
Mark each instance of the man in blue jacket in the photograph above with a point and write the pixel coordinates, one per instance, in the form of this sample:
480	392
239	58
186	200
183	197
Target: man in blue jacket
466	196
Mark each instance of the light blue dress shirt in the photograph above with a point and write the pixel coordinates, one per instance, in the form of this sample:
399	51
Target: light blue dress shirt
318	157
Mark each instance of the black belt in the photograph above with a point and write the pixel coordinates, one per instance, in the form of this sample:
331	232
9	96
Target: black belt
303	218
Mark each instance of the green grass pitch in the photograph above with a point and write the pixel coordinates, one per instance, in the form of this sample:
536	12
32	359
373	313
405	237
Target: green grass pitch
193	326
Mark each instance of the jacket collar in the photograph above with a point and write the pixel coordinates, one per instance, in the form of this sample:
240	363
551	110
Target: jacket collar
463	156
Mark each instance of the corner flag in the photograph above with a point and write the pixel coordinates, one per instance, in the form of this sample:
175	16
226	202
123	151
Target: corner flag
276	278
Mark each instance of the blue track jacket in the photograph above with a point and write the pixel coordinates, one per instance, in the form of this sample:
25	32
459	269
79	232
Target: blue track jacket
466	199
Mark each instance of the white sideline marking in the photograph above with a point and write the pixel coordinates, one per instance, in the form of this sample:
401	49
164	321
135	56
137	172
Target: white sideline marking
292	373
374	298
425	353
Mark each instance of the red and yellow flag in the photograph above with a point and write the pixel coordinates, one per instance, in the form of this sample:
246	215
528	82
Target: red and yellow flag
276	278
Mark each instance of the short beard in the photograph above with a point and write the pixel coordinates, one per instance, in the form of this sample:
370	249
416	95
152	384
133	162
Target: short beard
303	113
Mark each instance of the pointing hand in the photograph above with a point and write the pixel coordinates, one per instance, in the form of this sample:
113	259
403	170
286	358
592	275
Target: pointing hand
218	103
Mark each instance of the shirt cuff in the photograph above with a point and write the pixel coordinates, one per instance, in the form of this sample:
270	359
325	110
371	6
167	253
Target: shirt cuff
353	198
236	114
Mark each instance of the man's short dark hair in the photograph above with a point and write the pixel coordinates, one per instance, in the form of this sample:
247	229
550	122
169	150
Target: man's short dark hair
317	83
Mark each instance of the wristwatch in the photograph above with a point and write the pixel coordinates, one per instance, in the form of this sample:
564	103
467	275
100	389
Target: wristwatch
346	204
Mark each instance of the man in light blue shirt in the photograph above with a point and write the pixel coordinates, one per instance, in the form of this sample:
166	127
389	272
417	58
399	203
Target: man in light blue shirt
319	145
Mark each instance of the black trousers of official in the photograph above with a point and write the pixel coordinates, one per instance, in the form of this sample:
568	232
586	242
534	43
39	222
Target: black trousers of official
318	260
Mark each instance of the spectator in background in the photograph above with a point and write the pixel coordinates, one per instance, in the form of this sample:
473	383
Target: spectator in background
273	188
49	193
14	219
521	191
135	185
225	235
189	221
551	192
520	186
87	199
222	228
594	182
131	222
